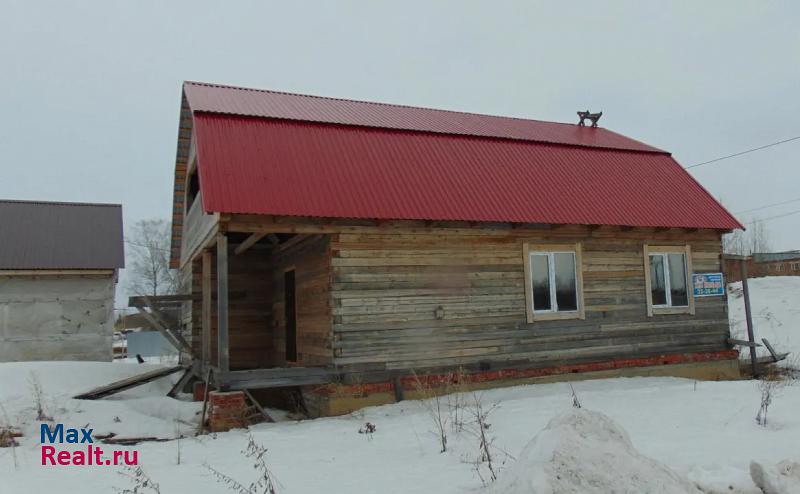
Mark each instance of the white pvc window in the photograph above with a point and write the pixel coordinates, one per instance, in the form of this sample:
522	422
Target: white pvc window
668	280
554	286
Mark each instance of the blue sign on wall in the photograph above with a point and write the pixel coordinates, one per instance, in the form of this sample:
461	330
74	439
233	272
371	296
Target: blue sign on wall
708	284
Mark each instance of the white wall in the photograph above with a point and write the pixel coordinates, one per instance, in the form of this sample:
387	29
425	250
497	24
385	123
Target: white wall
56	318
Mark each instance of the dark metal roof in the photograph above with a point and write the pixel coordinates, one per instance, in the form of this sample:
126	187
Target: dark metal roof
60	235
776	256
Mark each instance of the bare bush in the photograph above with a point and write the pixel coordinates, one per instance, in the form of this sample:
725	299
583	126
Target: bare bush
455	392
435	407
9	435
368	428
265	482
576	403
142	483
38	398
484	462
769	385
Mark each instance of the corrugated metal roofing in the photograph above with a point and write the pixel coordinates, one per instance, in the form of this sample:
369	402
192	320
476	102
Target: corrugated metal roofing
272	104
59	235
776	256
282	167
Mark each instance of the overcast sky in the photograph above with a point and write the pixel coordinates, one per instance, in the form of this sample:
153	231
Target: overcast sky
90	91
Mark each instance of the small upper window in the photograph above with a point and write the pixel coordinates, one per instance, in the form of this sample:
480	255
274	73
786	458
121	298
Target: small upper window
667	279
554	282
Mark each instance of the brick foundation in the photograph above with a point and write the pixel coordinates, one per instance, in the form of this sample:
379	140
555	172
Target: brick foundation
338	399
199	390
227	410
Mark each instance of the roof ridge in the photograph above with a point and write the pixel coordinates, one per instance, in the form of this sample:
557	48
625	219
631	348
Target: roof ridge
380	103
58	203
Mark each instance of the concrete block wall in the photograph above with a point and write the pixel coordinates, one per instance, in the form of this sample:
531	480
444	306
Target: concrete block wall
56	318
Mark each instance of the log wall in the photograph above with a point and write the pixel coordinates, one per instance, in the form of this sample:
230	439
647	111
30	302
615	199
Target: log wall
249	309
387	288
310	259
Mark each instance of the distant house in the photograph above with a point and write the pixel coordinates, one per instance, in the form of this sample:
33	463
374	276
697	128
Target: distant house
346	247
765	264
58	269
777	263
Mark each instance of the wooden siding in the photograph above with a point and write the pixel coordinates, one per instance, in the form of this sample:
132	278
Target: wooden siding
248	309
256	313
310	258
198	228
388	286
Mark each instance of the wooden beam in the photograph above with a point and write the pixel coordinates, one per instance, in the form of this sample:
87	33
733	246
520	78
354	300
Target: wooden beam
182	382
292	242
749	319
56	272
128	383
249	242
223	357
737	342
777	357
146	301
206	309
258	406
175	339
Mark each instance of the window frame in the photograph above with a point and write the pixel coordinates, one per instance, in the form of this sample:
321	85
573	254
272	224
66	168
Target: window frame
550	249
665	250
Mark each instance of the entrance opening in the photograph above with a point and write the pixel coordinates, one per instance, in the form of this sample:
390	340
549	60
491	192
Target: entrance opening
290	315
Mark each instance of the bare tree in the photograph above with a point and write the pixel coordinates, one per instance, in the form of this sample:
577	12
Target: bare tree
149	247
744	243
759	237
735	243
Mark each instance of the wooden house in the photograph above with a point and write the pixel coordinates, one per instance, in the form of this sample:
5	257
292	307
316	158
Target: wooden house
347	247
58	271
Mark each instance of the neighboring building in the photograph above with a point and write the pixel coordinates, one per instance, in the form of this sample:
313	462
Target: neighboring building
348	246
58	270
764	264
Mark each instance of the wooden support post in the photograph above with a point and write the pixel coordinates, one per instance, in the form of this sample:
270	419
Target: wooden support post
749	318
223	358
206	309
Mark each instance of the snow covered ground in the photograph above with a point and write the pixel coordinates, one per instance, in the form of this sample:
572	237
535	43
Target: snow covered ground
775	306
704	432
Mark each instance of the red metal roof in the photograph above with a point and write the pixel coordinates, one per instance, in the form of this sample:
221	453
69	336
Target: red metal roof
272	104
293	168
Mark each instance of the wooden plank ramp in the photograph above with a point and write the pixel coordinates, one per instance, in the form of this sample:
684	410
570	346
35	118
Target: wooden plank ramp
128	383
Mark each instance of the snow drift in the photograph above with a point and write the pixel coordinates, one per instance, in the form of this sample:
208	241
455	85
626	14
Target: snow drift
783	478
586	452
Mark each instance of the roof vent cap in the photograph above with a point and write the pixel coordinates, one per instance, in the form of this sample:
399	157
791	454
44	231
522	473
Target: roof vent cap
593	117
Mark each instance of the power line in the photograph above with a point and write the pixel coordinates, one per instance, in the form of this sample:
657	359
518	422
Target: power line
790	213
744	152
768	206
